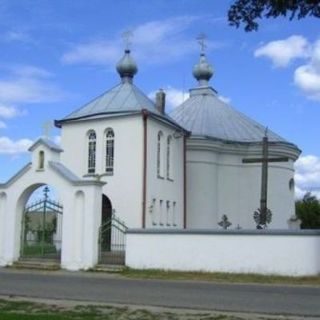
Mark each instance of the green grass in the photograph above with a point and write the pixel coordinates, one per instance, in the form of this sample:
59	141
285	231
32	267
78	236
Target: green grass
22	310
219	277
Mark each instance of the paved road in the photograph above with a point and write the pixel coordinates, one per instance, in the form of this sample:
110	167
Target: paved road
291	300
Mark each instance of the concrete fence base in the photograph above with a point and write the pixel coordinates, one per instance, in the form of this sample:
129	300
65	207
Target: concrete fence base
290	253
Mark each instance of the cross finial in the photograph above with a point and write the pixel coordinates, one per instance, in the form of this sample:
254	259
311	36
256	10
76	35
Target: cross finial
127	35
46	128
201	40
266	132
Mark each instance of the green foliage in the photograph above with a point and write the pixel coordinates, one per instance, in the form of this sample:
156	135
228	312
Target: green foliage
248	11
308	211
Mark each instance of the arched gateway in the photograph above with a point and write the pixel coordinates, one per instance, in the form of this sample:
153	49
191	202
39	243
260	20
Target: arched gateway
79	228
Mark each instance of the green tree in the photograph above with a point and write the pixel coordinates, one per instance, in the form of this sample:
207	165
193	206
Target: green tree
308	211
249	11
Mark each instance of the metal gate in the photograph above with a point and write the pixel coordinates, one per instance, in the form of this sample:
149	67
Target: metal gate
42	229
112	242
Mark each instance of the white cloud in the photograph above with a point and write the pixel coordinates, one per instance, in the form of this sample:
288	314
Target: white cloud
174	97
159	41
2	125
8	146
307	175
9	112
28	84
16	36
307	77
282	52
224	99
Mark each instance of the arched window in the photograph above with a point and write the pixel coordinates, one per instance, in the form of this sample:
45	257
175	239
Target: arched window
160	155
169	158
92	143
109	136
41	160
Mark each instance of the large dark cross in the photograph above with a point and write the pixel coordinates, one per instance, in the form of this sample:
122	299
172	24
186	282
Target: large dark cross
264	175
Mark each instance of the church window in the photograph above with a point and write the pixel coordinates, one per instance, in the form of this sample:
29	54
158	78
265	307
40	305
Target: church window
92	142
174	213
161	212
291	184
41	160
168	213
160	155
109	136
169	158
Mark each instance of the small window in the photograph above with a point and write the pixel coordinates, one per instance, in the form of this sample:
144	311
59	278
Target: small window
168	213
291	184
109	136
41	160
92	143
169	158
160	155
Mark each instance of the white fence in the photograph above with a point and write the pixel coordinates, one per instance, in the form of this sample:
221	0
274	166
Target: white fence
292	253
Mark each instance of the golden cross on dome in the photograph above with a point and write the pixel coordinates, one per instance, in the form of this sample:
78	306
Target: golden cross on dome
202	41
127	36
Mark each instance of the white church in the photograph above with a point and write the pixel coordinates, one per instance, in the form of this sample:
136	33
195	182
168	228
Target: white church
123	156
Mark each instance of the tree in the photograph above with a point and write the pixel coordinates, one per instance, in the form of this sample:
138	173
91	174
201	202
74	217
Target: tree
248	11
308	211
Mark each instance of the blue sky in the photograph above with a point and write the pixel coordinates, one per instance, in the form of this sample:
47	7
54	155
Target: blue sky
57	55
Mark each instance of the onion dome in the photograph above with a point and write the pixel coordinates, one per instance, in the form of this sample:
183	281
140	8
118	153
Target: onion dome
126	67
203	71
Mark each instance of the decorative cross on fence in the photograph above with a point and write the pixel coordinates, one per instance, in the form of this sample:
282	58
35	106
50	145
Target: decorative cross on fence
264	211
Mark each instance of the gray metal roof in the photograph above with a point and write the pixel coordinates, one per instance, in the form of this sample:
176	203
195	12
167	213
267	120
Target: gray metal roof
125	97
48	143
204	114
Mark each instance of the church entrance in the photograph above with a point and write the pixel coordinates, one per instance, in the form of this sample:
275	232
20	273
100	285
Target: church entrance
41	233
111	236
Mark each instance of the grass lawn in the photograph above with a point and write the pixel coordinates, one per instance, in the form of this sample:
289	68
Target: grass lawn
24	310
219	277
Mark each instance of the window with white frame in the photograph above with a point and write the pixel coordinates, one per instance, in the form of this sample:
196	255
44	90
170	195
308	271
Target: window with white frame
160	152
92	143
169	158
109	136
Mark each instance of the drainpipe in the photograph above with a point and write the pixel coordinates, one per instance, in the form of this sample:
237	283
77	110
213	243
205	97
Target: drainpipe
184	183
144	186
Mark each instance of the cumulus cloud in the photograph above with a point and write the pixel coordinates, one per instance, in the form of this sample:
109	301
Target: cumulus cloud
282	52
224	99
307	175
8	112
307	77
28	84
11	147
159	41
174	97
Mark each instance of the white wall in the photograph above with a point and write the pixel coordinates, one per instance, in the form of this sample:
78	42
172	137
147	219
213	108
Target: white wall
272	252
124	187
168	190
219	183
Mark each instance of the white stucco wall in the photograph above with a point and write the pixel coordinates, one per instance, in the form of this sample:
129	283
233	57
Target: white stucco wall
219	183
280	253
169	190
80	220
124	187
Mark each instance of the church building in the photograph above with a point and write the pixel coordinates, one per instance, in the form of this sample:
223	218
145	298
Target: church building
123	157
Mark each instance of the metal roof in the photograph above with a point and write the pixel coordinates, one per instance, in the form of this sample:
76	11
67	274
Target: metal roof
47	142
204	114
125	97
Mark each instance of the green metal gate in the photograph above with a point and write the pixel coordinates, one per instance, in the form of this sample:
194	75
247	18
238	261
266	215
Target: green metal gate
42	229
112	242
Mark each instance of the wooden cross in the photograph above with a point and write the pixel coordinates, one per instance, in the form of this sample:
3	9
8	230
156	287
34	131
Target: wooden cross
46	129
264	173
